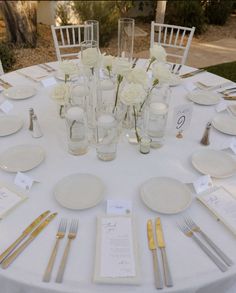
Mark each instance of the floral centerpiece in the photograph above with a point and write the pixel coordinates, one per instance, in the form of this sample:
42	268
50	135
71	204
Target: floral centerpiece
157	53
68	68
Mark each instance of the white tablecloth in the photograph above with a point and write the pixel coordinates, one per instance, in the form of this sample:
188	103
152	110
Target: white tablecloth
192	271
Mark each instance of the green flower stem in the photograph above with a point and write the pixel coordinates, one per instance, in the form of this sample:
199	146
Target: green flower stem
119	80
72	124
60	111
109	70
150	63
67	76
135	125
154	84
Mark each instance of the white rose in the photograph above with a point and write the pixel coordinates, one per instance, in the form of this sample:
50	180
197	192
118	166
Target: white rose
138	75
91	57
62	93
132	93
158	52
68	67
121	66
107	61
161	72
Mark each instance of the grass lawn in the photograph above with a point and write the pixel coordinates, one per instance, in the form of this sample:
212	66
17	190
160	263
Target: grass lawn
226	70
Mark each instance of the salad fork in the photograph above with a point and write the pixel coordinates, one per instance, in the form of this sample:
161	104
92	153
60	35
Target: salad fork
189	233
60	234
71	235
195	228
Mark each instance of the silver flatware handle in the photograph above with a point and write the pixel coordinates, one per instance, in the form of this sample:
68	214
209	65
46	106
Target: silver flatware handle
167	273
157	272
62	266
48	271
215	259
220	253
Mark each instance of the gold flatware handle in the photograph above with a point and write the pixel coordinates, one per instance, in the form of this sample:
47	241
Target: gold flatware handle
62	266
11	247
231	98
192	73
157	272
13	256
48	271
166	268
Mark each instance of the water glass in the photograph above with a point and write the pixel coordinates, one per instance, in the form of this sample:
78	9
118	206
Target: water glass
77	132
126	38
106	137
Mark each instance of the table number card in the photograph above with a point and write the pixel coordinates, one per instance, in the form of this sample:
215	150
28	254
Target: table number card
223	204
9	199
23	180
116	251
202	183
182	117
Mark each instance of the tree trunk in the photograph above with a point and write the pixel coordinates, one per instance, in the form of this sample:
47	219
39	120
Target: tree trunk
21	21
160	11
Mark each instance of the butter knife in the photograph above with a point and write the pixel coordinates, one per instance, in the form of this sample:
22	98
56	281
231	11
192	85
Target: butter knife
230	98
152	247
25	233
5	84
32	236
192	73
161	244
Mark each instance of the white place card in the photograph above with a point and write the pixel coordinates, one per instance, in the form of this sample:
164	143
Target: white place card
47	82
182	117
119	207
233	144
9	199
23	181
6	107
202	183
223	204
222	106
189	86
117	255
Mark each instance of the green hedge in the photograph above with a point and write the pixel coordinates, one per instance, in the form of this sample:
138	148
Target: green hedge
7	56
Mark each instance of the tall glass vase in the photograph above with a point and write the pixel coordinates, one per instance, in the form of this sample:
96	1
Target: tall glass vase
92	33
126	38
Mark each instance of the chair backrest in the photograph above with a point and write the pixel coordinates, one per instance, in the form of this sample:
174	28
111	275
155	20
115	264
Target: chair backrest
1	68
173	38
67	39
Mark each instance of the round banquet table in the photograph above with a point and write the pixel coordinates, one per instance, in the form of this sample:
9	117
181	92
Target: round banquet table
191	269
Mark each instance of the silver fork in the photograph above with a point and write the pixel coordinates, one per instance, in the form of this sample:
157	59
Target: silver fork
178	69
60	234
173	68
189	233
71	235
195	228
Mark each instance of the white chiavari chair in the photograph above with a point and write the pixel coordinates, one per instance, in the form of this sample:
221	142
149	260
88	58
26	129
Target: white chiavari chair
1	68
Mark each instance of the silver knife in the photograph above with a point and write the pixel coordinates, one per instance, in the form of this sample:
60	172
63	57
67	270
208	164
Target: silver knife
162	246
192	73
152	247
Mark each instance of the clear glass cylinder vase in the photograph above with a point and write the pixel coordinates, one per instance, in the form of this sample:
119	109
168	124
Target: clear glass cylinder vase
126	38
92	31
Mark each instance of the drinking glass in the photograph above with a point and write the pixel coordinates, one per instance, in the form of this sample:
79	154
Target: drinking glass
126	38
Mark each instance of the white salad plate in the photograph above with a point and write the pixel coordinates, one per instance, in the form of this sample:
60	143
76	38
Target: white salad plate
165	195
21	158
10	124
218	164
202	97
225	123
79	191
20	92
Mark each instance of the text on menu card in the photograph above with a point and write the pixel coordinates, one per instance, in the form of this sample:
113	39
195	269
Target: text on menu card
8	200
117	249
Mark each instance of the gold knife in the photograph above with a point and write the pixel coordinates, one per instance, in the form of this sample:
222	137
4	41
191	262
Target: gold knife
32	236
161	244
152	247
192	73
26	232
5	84
231	98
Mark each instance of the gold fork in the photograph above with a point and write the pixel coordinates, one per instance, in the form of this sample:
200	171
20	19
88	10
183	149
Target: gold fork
60	234
71	235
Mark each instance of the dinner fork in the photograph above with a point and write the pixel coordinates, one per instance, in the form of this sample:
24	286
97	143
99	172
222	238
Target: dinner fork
195	228
173	67
178	69
60	234
189	233
135	62
71	235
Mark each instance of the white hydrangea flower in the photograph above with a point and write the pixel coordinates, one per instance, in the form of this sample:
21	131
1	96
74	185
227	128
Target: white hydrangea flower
138	75
91	57
132	94
68	67
62	93
162	73
158	52
121	66
107	60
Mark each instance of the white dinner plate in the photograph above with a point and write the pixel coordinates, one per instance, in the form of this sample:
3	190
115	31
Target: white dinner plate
165	195
61	76
10	124
79	191
217	164
225	123
202	97
21	158
19	92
